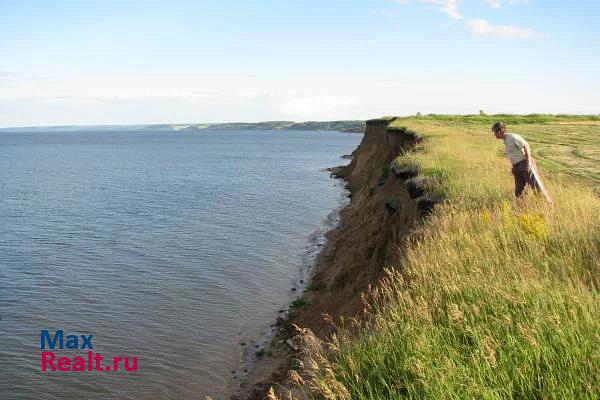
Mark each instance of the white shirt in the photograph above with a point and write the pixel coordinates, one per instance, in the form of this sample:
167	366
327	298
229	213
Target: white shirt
514	145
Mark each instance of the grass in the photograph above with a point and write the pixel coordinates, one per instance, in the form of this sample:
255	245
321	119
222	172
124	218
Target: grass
262	353
312	287
299	302
495	299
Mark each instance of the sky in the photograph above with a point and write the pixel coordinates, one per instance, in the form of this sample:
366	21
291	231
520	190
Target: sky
127	62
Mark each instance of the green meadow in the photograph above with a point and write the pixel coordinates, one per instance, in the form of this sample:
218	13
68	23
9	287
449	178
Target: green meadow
494	298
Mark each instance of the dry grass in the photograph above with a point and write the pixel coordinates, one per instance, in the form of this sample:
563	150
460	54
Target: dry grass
495	299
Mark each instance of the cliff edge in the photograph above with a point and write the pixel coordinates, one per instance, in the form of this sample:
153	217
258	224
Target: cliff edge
369	238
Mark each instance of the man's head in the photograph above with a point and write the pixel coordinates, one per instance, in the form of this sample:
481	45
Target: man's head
499	130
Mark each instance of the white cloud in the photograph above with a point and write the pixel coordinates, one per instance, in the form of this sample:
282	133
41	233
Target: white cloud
499	3
449	7
480	27
384	12
343	95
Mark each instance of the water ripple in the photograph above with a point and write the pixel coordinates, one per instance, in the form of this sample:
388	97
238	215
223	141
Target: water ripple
171	247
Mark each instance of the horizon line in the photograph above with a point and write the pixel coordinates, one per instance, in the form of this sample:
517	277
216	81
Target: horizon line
76	125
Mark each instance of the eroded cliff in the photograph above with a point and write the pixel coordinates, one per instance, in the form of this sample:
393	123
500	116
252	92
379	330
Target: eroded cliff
370	237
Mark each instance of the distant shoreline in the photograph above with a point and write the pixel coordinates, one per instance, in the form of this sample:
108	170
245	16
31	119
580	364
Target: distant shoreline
352	126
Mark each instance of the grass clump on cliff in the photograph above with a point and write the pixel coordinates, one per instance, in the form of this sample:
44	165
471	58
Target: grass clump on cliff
312	287
494	299
298	302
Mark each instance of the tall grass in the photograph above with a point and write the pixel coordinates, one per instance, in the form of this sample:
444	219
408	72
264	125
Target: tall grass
495	299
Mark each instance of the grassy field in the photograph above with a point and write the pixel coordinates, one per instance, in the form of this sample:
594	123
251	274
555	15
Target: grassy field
495	299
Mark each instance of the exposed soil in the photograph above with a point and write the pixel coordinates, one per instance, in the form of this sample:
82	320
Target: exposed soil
370	237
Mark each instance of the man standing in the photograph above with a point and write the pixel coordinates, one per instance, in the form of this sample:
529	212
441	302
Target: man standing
523	166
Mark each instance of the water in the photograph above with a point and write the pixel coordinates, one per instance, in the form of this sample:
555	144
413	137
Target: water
172	247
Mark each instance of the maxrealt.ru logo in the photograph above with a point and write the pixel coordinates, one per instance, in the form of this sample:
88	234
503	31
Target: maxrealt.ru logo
91	361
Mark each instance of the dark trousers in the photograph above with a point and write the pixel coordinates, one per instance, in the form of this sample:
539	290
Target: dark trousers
524	176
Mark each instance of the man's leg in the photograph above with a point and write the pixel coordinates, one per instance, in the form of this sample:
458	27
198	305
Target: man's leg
520	181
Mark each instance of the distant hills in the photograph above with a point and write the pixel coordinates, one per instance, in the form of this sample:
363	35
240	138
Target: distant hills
357	126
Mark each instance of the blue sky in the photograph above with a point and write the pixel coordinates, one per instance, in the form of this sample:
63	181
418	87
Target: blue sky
109	62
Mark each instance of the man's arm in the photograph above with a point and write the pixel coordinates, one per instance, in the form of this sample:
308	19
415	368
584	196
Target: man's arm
527	153
524	147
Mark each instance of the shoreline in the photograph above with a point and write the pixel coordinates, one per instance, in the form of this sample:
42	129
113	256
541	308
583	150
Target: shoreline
252	365
369	236
274	364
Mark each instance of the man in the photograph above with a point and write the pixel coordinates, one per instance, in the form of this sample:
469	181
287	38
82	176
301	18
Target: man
523	165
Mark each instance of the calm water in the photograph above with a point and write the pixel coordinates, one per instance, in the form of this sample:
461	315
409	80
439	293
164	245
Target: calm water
173	247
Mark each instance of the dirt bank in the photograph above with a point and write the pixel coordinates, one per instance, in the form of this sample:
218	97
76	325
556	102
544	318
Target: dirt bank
369	237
